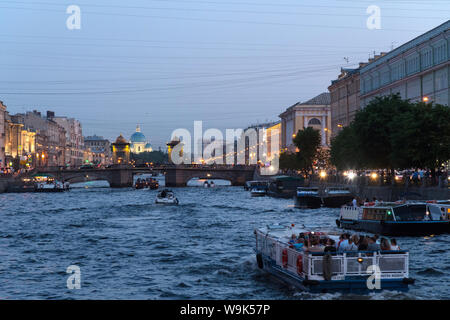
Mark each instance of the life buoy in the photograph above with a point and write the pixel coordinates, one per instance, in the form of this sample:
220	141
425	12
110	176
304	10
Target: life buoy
299	264
284	258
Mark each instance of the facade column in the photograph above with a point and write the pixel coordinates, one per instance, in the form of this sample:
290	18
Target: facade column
323	131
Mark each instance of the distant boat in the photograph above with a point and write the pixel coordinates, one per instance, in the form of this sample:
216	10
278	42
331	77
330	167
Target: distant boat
166	196
336	197
259	191
284	186
307	198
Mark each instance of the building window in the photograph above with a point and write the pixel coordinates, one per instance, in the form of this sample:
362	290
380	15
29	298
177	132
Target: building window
314	121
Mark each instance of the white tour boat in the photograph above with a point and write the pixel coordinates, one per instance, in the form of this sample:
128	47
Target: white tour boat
328	271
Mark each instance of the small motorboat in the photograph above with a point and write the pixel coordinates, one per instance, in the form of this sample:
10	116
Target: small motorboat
166	196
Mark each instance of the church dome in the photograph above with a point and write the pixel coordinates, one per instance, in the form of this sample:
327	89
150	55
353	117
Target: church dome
137	137
121	139
148	147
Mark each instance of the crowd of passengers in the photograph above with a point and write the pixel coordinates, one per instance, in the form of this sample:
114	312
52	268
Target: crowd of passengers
315	243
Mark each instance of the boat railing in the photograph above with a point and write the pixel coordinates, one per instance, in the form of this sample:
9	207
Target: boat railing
391	264
351	213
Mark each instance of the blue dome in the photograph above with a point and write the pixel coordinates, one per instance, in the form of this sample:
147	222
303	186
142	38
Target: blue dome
148	146
137	137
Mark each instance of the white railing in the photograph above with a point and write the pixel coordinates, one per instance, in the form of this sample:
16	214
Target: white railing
392	264
351	213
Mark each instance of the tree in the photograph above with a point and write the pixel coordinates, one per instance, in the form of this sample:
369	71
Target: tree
289	161
421	137
373	126
308	142
344	154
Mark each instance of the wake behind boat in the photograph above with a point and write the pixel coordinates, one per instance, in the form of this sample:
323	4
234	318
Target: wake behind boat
166	196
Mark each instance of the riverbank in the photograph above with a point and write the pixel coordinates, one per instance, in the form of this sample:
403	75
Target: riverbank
393	193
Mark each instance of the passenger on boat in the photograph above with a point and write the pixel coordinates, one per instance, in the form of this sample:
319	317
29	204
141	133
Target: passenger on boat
299	245
354	203
363	243
373	245
314	245
385	245
343	242
352	243
394	245
331	246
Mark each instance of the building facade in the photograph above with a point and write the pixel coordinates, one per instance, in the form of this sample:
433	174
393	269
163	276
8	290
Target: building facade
50	137
418	70
313	113
121	151
2	135
97	150
74	149
20	144
344	99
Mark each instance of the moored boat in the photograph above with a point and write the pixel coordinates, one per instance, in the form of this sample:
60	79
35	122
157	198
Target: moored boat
336	197
284	186
307	198
259	191
328	271
395	219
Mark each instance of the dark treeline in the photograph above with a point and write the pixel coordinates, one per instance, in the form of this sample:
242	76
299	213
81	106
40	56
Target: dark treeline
391	133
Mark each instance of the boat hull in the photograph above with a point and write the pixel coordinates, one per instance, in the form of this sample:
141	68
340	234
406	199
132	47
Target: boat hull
396	228
336	201
350	284
308	202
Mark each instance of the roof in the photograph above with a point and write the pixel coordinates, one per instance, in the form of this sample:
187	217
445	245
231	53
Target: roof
120	140
137	137
408	45
321	99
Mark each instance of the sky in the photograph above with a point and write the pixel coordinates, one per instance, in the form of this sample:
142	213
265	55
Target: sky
163	64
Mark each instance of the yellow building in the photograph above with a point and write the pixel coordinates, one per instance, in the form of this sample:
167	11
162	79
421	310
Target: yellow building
121	151
313	113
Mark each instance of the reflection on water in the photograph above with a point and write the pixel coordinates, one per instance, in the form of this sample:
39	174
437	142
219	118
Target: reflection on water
129	248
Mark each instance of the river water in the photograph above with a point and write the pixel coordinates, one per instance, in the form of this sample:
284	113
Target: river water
129	248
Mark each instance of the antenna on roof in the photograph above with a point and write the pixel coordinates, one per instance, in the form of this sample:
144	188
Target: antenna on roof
346	59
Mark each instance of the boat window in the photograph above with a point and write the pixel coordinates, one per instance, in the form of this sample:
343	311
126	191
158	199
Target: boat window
414	212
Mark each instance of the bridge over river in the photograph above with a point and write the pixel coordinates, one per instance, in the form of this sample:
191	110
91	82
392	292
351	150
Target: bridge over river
175	176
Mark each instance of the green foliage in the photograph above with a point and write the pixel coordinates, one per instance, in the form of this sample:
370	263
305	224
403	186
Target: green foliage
154	156
289	161
308	143
394	133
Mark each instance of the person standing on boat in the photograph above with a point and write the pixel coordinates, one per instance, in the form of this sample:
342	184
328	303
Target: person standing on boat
355	203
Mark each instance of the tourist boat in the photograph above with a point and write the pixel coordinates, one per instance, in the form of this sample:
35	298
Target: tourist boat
140	184
394	218
439	210
166	196
46	183
336	197
328	272
259	191
307	198
284	186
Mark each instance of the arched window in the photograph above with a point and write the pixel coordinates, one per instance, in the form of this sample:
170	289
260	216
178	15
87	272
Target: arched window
314	121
